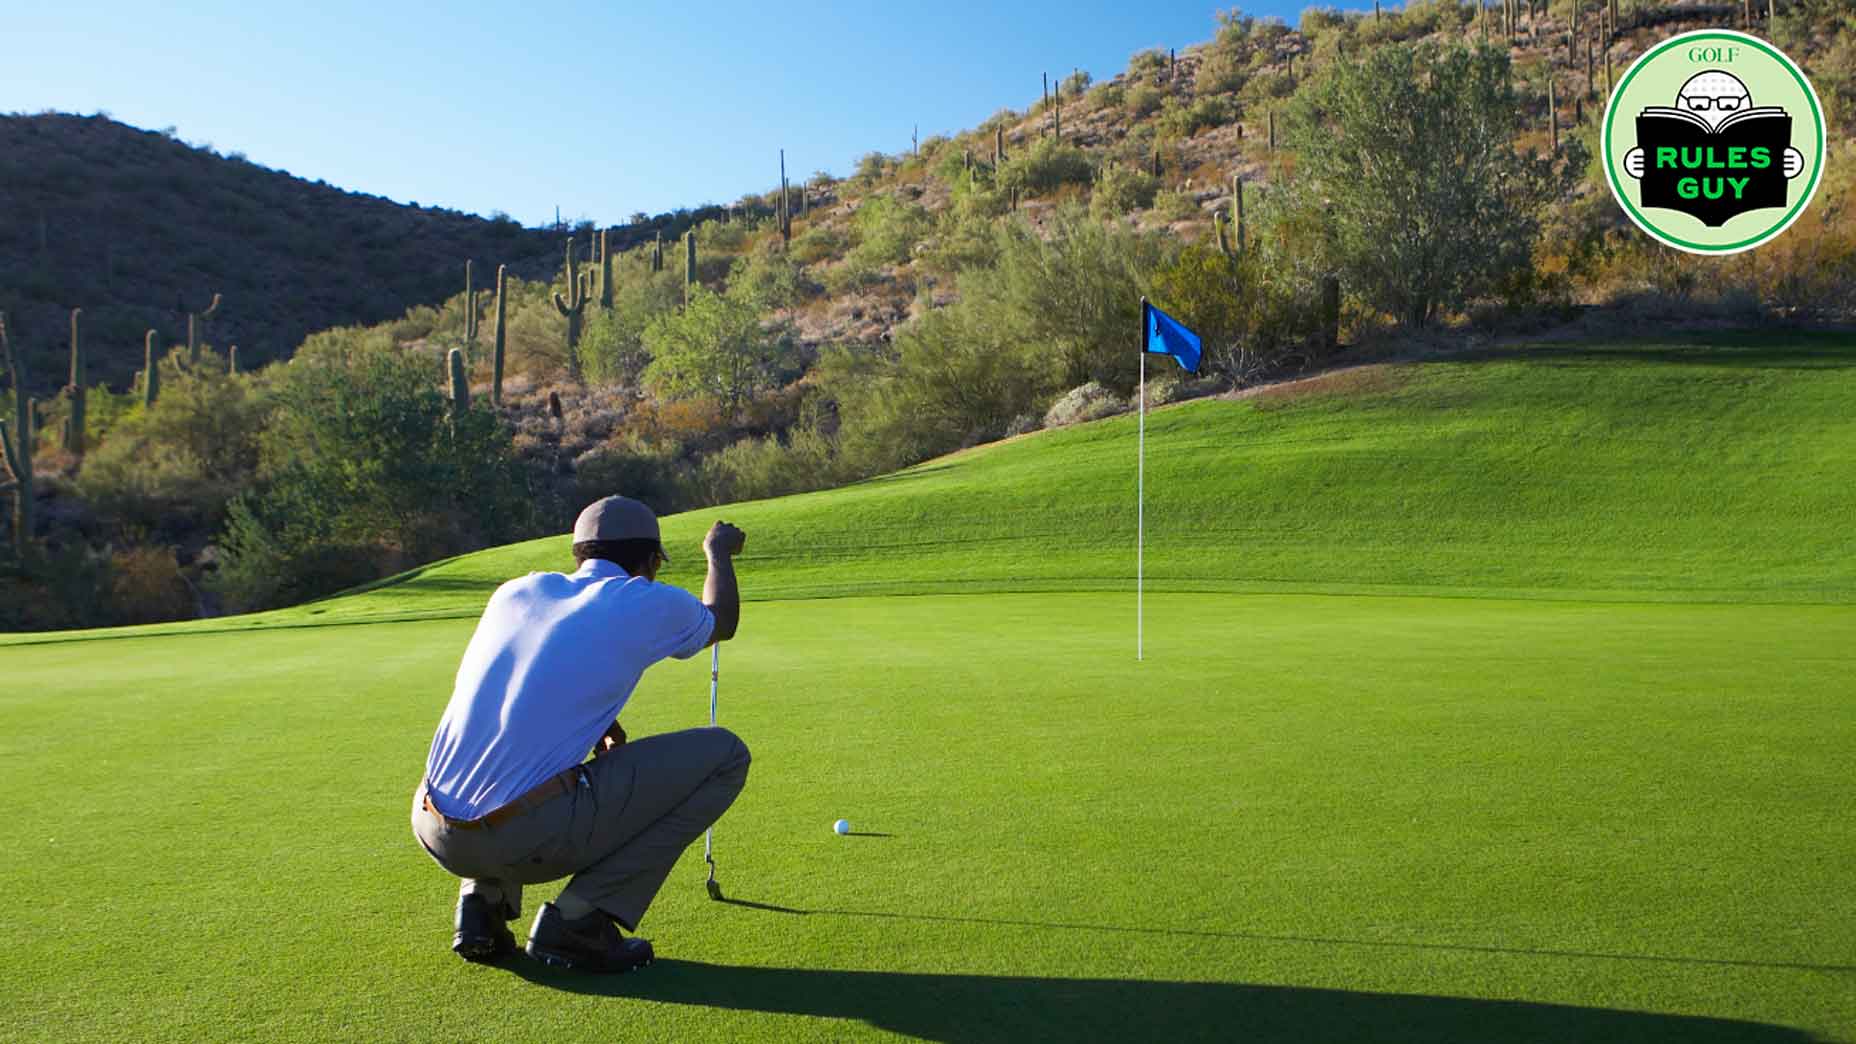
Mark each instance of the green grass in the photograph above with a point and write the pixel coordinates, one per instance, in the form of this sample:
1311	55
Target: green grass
1392	806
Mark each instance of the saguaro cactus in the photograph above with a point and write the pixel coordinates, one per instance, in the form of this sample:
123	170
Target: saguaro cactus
195	320
605	270
786	205
151	368
689	265
502	302
572	308
16	447
74	426
460	384
657	252
1553	116
1237	209
232	361
470	305
1330	312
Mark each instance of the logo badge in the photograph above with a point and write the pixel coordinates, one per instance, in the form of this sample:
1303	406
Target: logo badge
1714	142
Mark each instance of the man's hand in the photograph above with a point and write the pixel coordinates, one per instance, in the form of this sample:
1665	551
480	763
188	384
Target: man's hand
719	592
611	741
725	540
1633	163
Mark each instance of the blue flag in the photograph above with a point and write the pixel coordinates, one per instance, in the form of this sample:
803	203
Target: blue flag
1168	336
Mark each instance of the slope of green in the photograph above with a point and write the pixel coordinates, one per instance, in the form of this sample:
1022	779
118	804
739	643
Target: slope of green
1711	471
1387	819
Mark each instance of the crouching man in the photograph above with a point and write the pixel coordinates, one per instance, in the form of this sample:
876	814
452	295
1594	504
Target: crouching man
509	797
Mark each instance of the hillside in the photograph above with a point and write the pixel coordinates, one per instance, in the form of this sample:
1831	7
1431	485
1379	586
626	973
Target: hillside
1696	470
138	228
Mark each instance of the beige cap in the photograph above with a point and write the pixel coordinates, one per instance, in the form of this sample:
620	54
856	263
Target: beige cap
618	518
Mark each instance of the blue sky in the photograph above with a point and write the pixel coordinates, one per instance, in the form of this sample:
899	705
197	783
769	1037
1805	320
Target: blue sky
601	109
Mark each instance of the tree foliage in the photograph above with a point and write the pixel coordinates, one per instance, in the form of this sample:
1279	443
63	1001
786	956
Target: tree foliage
714	347
365	465
1407	155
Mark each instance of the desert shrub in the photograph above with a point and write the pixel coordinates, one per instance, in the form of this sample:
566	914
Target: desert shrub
887	230
1108	96
612	348
1316	20
1255	312
714	347
1220	72
1266	85
175	466
963	235
365	466
724	237
1121	190
1173	205
1234	29
1385	207
1071	294
1184	121
146	586
632	467
949	382
759	468
871	167
816	243
1044	167
1144	100
851	275
1146	62
1076	83
1085	402
767	279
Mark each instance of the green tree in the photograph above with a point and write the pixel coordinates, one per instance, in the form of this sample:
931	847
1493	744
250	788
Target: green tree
364	468
1407	154
714	347
1072	293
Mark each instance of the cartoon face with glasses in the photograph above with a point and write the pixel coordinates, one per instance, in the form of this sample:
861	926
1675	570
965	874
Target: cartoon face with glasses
1713	96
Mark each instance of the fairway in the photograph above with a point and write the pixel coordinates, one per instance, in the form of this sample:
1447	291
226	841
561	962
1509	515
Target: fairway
1505	699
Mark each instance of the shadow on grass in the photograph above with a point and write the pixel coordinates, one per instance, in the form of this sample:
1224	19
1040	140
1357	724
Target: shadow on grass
1723	353
1389	944
972	1008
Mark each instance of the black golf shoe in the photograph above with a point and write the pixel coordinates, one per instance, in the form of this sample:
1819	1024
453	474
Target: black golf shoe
591	943
482	935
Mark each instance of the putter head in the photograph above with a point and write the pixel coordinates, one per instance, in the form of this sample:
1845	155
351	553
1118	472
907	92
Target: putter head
715	890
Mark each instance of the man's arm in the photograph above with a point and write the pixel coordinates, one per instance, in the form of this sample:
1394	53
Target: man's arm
719	591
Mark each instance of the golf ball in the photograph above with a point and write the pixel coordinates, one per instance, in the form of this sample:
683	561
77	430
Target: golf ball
842	826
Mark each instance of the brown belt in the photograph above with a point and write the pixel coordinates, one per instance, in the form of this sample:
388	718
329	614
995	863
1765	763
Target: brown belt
549	789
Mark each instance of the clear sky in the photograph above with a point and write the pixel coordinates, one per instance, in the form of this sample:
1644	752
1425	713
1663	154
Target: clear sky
602	109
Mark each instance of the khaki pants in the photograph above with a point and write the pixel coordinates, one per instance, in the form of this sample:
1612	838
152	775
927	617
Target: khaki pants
618	832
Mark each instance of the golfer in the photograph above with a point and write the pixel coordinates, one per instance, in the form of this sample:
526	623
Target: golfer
509	797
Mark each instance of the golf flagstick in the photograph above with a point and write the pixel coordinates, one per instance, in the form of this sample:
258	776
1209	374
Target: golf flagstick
1140	497
708	837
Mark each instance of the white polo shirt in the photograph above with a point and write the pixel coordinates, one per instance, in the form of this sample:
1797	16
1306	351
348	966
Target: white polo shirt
553	661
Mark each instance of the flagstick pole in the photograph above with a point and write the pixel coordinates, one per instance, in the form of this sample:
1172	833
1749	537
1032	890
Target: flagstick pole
1140	501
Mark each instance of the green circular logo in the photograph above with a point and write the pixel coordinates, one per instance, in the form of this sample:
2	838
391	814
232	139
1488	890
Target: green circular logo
1714	142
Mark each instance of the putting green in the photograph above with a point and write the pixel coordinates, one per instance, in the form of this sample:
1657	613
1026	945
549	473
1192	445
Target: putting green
1300	818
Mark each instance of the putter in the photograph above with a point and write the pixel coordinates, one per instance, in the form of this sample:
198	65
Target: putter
708	837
